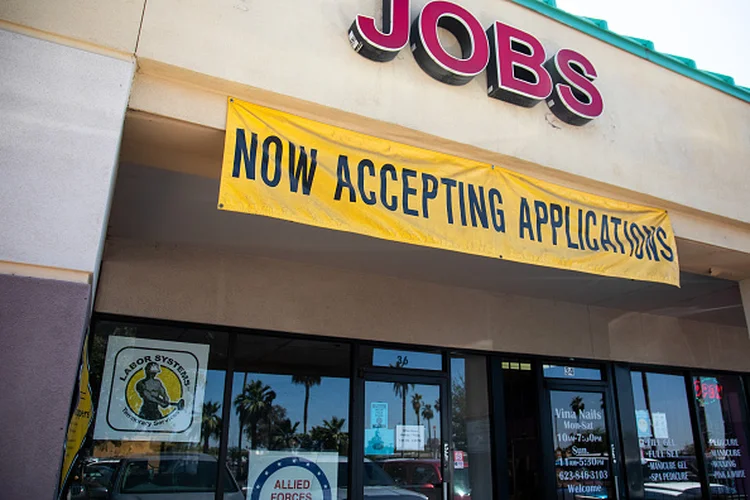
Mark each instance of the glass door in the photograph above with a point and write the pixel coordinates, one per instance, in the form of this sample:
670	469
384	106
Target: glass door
582	445
401	450
581	456
403	439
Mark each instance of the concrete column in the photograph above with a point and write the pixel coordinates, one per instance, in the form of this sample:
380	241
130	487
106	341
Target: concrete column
745	292
478	427
61	118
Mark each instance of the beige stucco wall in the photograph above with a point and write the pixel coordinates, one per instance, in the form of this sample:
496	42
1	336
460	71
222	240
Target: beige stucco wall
664	138
218	287
112	24
61	116
662	134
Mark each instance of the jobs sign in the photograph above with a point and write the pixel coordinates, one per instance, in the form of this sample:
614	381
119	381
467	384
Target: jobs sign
518	69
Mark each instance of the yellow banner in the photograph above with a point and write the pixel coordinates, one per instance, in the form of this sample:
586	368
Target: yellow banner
283	166
81	419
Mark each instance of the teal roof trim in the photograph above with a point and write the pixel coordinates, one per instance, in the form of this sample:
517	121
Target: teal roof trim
640	41
643	48
683	60
598	22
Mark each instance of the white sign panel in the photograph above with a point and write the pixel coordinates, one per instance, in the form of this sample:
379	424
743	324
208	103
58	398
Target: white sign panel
659	421
279	475
152	390
410	437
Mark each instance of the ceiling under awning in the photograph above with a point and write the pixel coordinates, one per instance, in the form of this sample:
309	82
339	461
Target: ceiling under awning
167	192
156	205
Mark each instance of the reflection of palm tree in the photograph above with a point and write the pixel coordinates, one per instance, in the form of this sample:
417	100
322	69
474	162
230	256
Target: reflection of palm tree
331	435
253	404
437	405
285	434
308	381
210	423
428	415
577	405
401	389
241	417
416	403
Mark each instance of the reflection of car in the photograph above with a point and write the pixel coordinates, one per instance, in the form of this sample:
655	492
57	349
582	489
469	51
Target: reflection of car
688	490
153	477
378	485
425	476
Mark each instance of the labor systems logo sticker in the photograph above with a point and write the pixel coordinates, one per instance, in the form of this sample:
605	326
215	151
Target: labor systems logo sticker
152	390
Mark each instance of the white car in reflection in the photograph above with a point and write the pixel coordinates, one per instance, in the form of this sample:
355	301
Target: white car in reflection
378	485
154	477
688	490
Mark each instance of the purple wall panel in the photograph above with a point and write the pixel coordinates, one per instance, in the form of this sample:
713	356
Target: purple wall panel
41	331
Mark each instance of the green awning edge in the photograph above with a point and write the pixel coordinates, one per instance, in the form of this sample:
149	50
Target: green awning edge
639	47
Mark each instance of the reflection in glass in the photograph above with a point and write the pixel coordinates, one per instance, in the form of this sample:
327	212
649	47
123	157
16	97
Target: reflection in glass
403	438
581	443
153	386
722	424
665	434
290	406
470	415
415	360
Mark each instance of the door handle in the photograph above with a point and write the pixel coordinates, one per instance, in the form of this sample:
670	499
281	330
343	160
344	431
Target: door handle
615	478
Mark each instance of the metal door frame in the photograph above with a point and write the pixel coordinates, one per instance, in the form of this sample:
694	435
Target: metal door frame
361	375
604	386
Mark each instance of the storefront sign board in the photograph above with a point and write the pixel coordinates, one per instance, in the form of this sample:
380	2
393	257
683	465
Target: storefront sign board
519	70
152	390
292	168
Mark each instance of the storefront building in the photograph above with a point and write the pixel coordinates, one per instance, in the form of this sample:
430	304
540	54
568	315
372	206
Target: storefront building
404	250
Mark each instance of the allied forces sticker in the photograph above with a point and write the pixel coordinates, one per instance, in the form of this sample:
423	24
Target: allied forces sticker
152	390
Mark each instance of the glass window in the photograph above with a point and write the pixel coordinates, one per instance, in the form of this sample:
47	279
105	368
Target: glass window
722	419
416	360
472	460
581	445
176	475
522	424
665	435
572	372
157	395
403	437
290	413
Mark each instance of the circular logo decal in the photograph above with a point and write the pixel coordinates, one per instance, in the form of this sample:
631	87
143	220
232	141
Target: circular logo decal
154	392
300	462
